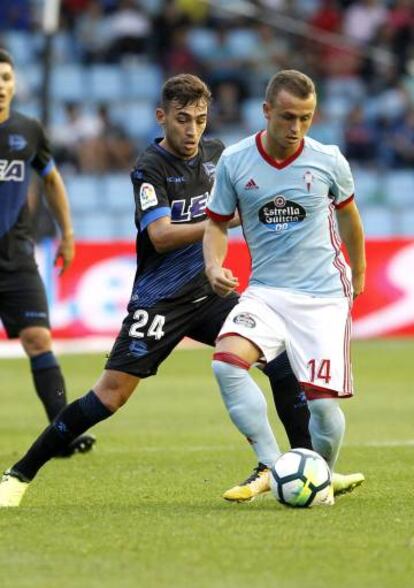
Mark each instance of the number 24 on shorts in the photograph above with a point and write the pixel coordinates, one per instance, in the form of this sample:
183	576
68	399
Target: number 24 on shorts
154	330
320	370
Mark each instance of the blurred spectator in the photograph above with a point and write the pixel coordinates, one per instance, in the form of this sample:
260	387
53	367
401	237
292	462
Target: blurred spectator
179	57
130	31
76	129
109	150
226	112
270	54
360	138
170	18
92	31
72	9
15	14
402	141
225	64
327	17
363	18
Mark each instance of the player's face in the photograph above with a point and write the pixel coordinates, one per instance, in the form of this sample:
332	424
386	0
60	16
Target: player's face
183	127
6	87
288	119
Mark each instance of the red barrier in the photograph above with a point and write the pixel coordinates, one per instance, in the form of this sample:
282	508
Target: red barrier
90	299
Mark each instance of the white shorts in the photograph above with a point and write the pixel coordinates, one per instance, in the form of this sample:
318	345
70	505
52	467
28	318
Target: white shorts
315	332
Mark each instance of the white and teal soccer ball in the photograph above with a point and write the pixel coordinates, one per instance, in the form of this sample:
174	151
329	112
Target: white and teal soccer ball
300	478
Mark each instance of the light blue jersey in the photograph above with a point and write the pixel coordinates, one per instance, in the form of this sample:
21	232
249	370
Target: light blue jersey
288	213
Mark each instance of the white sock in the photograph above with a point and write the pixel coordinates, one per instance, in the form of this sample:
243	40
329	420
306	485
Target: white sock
247	408
327	428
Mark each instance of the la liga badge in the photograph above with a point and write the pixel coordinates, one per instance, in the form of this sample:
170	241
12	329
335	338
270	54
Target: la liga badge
147	196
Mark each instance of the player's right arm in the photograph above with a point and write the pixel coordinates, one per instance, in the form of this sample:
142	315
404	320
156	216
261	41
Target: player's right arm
221	210
166	236
215	242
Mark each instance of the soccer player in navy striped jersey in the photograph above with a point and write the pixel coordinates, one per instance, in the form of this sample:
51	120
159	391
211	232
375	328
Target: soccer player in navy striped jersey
171	297
23	305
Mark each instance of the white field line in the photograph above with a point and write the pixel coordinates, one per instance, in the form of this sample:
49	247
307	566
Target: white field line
13	349
224	448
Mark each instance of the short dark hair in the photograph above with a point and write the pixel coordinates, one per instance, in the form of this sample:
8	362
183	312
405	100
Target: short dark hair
5	57
293	81
184	89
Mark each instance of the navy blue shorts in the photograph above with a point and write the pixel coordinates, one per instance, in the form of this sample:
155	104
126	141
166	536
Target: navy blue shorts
148	335
23	302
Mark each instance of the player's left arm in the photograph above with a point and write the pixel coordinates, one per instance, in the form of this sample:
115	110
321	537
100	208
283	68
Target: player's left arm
352	234
57	199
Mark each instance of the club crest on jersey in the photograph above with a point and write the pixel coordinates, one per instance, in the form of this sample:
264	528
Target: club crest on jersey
308	177
280	214
147	196
245	320
11	171
210	169
17	142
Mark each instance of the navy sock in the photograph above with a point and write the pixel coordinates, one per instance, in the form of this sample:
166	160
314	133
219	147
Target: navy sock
74	420
290	401
49	383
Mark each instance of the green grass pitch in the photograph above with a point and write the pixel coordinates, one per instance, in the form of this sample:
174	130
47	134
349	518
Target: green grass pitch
145	509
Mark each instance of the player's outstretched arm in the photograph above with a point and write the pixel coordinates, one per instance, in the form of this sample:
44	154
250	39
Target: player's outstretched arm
215	241
352	234
58	201
166	236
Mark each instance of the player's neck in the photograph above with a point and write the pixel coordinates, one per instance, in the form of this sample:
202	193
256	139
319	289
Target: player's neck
276	151
166	145
4	115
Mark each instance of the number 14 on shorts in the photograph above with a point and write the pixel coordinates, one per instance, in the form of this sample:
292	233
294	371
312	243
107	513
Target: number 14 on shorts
320	370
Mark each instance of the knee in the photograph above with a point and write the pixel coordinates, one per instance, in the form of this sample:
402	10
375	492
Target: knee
36	340
114	389
327	413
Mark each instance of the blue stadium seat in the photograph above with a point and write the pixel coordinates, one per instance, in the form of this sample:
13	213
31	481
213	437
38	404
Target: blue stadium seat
252	110
30	108
242	43
84	192
68	83
405	223
20	45
202	42
118	193
137	118
31	76
367	186
125	227
94	226
141	81
378	221
105	83
399	189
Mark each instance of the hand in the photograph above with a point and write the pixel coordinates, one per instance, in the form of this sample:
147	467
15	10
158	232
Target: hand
358	283
65	252
222	280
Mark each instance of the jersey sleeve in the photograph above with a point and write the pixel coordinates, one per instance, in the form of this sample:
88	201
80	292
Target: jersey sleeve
42	161
222	202
342	187
151	198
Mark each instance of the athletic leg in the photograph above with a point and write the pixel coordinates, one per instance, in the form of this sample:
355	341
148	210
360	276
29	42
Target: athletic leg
290	401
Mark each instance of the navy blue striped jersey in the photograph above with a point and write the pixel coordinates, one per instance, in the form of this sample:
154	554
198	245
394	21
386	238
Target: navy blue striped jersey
165	185
23	146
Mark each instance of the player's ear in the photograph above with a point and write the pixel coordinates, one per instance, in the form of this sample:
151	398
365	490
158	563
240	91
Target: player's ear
267	107
160	116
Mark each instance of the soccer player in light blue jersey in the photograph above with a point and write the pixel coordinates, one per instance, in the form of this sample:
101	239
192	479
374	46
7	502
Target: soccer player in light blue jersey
295	197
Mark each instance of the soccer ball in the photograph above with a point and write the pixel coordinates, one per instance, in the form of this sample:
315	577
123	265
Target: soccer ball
300	478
